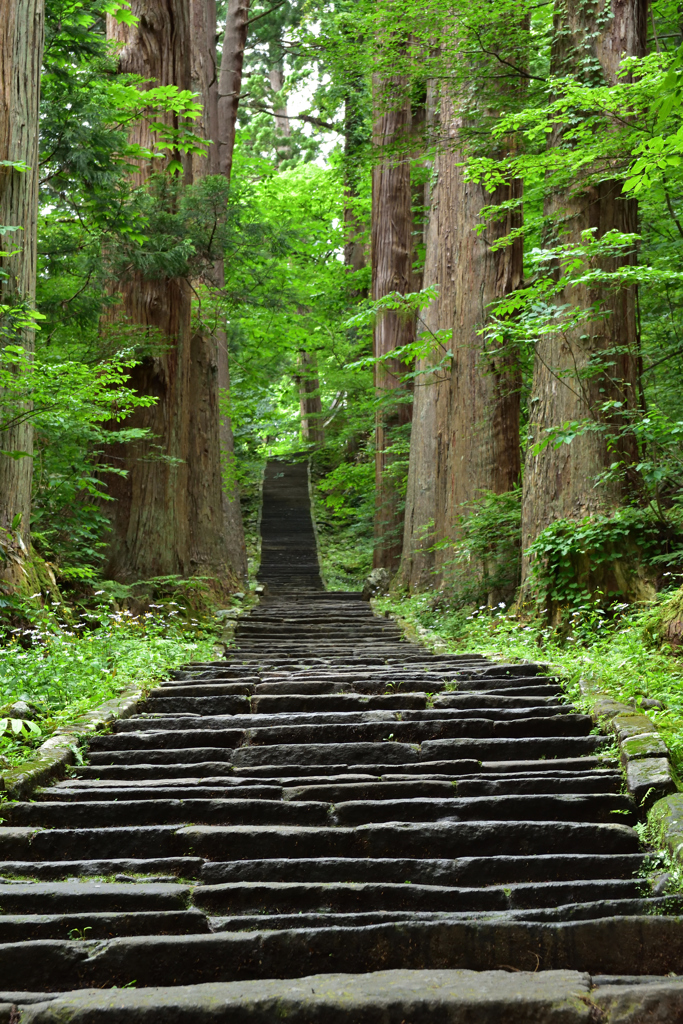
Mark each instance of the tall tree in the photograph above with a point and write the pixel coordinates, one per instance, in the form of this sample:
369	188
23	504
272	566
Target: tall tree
230	80
210	370
426	454
392	248
167	518
465	434
21	49
310	403
576	371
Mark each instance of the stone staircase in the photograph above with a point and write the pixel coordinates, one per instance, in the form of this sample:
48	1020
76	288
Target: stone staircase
334	806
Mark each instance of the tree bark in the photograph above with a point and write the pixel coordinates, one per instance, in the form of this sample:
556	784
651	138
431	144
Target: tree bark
391	272
560	482
21	49
417	563
204	82
310	404
479	410
465	434
212	474
167	517
230	81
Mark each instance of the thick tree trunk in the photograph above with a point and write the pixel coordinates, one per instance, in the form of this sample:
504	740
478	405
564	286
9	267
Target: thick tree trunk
167	518
21	49
465	434
391	272
204	82
310	404
230	81
212	474
560	482
417	563
480	408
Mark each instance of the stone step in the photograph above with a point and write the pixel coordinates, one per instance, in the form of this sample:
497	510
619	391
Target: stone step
195	788
468	786
123	869
426	839
402	753
403	840
348	897
265	703
467	871
392	996
162	755
68	897
290	774
161	770
209	705
106	925
545	807
93	813
205	689
360	726
639	944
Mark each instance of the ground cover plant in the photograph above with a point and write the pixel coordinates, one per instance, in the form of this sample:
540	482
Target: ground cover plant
54	668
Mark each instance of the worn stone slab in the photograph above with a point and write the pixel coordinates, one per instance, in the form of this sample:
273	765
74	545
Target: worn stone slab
386	997
666	820
644	745
633	724
642	943
649	778
653	1003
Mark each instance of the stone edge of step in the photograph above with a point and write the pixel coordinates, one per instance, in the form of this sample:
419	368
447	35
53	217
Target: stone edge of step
570	996
59	750
643	753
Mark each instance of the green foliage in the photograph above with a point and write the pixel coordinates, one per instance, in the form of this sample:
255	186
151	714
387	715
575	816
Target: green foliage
344	509
573	560
63	666
484	564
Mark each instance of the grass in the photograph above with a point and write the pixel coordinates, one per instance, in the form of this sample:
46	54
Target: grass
618	655
62	669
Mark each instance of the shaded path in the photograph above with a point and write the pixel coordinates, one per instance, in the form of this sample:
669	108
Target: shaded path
298	786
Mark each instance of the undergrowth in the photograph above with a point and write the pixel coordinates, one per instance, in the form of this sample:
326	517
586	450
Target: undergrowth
62	669
343	509
620	654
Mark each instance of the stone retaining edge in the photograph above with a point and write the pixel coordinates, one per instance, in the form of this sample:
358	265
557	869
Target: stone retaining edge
59	750
642	751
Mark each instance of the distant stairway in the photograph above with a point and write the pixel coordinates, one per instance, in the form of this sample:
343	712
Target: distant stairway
331	798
